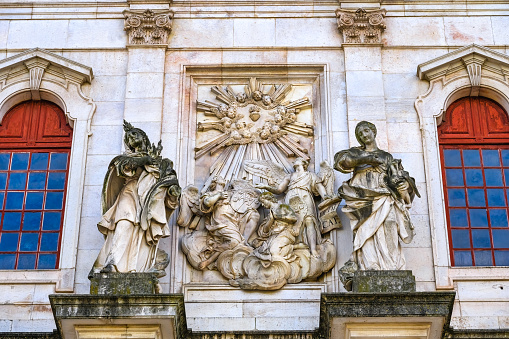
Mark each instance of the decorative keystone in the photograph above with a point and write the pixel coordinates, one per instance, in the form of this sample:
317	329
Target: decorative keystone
361	26
148	27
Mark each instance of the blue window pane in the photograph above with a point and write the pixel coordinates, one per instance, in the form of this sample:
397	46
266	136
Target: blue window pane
505	157
493	177
39	161
481	238
2	195
49	242
501	238
17	181
456	197
471	158
12	221
8	242
454	177
462	258
476	197
19	161
7	261
496	197
58	161
501	258
483	258
4	161
47	261
32	221
452	158
458	218
29	242
474	177
3	180
14	200
26	262
498	218
51	221
34	200
478	218
460	239
490	157
56	180
36	180
54	200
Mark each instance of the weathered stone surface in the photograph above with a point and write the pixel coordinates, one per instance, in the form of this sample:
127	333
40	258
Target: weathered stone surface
123	283
69	309
383	281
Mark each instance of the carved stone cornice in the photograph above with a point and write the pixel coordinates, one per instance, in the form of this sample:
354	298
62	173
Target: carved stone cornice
361	26
148	27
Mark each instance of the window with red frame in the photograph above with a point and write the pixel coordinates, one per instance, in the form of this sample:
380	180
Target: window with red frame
474	148
35	145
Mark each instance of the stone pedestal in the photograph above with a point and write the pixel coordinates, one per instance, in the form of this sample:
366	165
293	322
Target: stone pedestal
409	315
383	281
123	283
157	316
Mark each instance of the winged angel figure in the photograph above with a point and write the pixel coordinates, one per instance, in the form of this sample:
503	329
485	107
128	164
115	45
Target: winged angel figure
287	247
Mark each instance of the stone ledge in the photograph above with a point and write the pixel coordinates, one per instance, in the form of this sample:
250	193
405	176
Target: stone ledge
398	305
75	309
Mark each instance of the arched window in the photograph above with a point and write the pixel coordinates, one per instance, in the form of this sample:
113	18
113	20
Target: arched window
474	148
35	145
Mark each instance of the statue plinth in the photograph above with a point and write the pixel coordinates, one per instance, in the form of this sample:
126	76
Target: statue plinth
123	283
383	281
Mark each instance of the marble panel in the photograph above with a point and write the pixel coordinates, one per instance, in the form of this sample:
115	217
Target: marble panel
474	322
90	238
334	58
362	58
96	33
307	32
221	324
484	308
287	323
404	137
176	58
201	33
144	85
254	32
4	33
41	292
413	163
25	34
41	325
483	290
462	31
500	31
146	60
105	140
15	312
420	261
91	202
229	310
403	85
364	83
425	286
398	60
41	312
365	108
259	57
422	237
17	294
137	110
108	113
413	28
108	88
5	325
400	110
103	62
280	309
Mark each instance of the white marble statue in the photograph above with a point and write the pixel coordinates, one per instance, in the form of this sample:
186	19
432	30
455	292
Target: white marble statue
140	193
377	199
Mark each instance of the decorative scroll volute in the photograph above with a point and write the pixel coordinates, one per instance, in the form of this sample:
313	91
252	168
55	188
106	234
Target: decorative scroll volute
148	27
361	26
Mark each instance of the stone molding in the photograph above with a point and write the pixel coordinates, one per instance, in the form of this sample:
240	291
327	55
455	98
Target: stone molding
472	70
37	74
148	27
361	26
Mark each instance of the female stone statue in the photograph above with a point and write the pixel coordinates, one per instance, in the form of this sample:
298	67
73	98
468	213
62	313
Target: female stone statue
377	199
140	193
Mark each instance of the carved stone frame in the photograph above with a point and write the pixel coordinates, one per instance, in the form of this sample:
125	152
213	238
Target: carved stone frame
472	70
38	74
195	75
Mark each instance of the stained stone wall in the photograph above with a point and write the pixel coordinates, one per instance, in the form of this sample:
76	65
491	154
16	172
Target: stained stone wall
152	87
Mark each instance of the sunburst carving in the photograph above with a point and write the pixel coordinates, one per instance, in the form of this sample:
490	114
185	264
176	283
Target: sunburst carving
257	123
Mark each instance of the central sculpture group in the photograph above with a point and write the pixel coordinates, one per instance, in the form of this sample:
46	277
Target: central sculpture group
289	245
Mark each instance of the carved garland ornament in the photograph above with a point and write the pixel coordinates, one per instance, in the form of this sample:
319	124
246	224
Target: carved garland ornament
361	26
148	27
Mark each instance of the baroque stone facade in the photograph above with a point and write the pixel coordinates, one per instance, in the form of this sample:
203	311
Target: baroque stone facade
243	91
